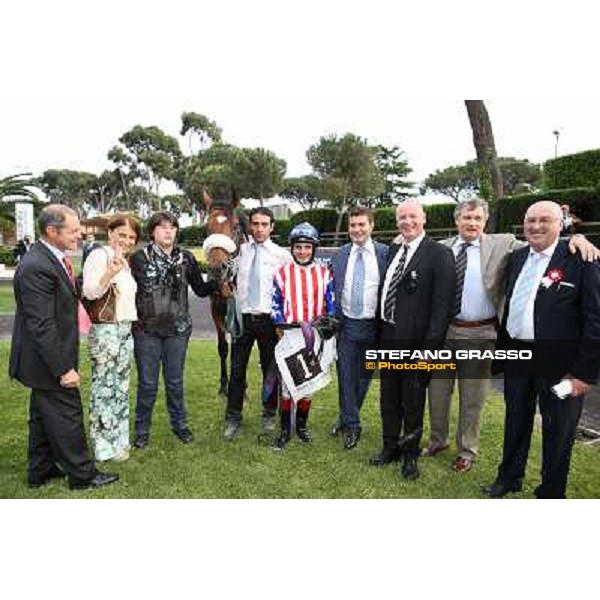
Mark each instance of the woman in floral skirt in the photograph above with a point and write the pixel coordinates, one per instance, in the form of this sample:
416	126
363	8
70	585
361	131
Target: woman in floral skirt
111	344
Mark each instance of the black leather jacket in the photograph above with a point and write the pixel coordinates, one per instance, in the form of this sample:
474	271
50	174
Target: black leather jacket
162	301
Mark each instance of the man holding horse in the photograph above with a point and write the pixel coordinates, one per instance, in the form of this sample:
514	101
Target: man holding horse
259	260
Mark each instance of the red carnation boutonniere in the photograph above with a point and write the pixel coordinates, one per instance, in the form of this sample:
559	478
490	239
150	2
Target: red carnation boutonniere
553	277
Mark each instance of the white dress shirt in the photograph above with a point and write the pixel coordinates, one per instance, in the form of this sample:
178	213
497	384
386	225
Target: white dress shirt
94	268
272	257
372	279
527	327
476	304
412	248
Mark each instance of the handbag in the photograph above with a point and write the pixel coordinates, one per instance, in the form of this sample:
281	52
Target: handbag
103	309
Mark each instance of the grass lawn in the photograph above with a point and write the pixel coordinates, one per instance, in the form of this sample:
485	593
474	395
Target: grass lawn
7	299
212	468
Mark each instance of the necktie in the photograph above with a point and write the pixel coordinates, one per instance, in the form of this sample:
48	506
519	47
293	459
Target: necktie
83	319
358	284
520	296
461	267
254	280
69	267
390	299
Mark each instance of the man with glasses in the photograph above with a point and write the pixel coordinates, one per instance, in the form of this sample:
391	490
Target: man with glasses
553	311
481	260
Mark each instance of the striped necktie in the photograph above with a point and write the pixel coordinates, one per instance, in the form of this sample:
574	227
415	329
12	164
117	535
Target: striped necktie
521	294
389	308
461	268
358	284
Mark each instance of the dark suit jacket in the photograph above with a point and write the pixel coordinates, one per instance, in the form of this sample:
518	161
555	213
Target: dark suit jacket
339	264
424	296
45	342
566	318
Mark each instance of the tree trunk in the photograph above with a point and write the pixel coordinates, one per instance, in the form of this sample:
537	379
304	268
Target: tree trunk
490	177
338	225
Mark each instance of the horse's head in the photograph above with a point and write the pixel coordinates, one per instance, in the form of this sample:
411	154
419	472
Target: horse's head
226	232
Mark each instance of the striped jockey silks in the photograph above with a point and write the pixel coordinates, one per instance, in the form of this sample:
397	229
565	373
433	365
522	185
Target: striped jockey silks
302	293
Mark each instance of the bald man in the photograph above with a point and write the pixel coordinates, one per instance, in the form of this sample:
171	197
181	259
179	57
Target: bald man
553	310
416	306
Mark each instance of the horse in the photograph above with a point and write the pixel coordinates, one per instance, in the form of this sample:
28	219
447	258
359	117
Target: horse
227	230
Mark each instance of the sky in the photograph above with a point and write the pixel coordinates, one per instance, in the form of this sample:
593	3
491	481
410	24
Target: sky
280	75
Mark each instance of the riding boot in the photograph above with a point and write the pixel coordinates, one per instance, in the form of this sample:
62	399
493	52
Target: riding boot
301	418
285	415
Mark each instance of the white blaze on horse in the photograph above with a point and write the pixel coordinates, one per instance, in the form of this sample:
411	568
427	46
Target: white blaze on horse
227	231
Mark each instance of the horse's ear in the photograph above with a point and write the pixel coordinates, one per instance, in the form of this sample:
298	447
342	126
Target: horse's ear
207	199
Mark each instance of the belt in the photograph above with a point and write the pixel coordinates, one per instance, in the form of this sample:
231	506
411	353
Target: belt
257	317
459	323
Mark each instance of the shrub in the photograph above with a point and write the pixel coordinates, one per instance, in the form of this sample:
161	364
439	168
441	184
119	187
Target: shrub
7	256
282	230
324	219
584	202
440	216
573	171
192	236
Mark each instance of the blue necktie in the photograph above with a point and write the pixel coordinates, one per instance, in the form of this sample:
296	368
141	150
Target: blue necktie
358	284
520	296
254	279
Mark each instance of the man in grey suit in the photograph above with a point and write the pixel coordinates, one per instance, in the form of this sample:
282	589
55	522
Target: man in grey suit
481	263
358	270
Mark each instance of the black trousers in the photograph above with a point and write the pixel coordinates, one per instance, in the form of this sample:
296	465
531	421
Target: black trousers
257	328
57	436
559	425
402	408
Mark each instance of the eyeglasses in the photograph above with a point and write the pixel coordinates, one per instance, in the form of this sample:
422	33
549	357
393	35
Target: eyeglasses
541	220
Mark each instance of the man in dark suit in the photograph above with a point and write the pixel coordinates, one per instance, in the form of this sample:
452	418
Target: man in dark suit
44	355
358	270
417	302
553	310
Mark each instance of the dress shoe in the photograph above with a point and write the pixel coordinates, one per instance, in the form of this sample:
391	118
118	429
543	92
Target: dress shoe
434	449
185	435
336	429
54	473
410	469
385	457
499	490
462	464
98	480
141	441
351	439
231	431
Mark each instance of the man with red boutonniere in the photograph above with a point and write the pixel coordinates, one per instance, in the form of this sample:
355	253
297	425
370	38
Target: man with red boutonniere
552	316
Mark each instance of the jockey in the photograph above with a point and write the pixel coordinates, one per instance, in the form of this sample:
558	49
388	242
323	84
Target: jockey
303	294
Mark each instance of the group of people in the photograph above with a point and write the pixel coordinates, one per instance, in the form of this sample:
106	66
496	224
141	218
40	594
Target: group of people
149	320
475	288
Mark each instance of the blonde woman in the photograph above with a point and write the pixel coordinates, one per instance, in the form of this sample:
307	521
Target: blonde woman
111	344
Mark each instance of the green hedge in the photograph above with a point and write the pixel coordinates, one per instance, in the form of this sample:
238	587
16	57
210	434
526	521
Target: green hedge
325	219
584	202
282	230
192	236
573	171
7	256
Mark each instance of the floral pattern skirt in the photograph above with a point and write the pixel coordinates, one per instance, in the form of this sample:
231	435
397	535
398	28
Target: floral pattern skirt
111	351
